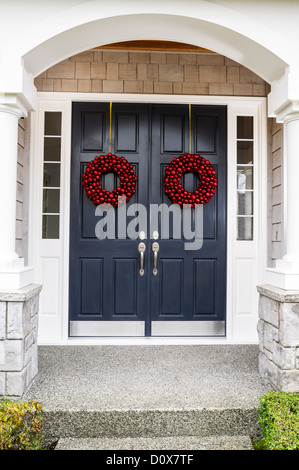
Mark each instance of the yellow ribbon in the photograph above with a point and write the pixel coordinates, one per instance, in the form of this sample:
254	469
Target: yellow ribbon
110	127
189	128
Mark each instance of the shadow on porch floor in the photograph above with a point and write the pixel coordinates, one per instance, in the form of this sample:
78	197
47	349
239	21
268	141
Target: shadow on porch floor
145	391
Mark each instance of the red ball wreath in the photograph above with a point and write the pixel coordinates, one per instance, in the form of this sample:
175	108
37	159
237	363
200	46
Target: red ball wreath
195	164
101	165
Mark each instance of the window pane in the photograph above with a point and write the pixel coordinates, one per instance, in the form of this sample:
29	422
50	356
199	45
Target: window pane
50	226
53	123
245	203
244	178
51	201
52	146
52	175
245	228
244	153
245	127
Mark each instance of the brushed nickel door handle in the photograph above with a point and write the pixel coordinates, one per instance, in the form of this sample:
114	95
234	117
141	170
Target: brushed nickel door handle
155	248
141	249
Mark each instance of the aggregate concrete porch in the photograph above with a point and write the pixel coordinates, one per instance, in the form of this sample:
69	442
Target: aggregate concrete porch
125	396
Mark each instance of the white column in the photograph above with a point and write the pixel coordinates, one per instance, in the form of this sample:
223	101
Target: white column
8	183
286	272
13	275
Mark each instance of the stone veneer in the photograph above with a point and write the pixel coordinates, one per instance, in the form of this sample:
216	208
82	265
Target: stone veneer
18	340
278	329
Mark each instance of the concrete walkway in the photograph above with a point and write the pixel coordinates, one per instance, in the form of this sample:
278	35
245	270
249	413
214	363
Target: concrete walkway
120	392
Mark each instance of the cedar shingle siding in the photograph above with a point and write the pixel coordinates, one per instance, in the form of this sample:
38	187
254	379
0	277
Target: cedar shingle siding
151	72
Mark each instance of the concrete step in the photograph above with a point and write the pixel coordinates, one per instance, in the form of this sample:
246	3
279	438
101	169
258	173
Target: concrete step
149	391
151	423
157	443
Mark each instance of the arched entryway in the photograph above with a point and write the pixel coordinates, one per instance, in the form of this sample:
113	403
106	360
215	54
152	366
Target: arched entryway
173	70
222	36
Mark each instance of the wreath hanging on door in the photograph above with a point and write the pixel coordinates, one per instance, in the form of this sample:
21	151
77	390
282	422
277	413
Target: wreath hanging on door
195	164
101	165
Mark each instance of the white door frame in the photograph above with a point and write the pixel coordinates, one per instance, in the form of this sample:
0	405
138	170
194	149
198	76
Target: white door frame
50	258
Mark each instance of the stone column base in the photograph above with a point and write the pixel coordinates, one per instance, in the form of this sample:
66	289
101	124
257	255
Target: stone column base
18	339
278	329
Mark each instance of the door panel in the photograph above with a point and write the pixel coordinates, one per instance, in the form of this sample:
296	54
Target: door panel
171	292
173	136
126	138
195	289
92	286
205	277
206	134
125	287
104	286
93	132
108	296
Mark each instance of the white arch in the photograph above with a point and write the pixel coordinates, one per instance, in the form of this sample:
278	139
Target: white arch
201	23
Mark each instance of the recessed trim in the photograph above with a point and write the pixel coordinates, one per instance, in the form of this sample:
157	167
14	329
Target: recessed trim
166	46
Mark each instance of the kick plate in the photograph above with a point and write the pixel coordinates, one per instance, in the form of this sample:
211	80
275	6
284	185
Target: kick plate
137	328
188	328
107	328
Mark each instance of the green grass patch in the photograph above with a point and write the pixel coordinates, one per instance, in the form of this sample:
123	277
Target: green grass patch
259	445
279	421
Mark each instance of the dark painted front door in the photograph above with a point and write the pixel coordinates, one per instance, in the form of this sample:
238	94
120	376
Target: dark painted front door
108	296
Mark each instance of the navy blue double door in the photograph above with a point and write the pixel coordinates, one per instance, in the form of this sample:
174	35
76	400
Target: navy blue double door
182	289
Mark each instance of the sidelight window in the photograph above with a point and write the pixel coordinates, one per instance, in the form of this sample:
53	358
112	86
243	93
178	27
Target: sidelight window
245	181
51	175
